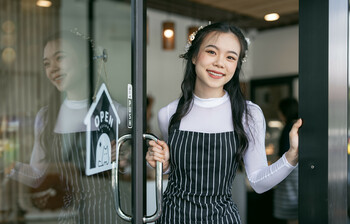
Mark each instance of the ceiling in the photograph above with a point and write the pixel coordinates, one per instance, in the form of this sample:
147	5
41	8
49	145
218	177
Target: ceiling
247	14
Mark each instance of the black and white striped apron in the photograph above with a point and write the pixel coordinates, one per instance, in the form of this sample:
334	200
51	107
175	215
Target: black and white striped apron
87	199
203	166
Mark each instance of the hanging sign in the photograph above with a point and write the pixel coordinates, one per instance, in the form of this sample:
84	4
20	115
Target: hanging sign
101	122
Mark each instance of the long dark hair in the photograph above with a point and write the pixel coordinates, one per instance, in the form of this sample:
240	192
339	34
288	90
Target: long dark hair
238	102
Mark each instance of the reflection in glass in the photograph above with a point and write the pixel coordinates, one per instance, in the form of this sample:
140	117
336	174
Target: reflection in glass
45	97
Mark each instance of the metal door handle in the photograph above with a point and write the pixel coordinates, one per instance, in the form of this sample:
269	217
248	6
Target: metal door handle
159	186
159	183
115	180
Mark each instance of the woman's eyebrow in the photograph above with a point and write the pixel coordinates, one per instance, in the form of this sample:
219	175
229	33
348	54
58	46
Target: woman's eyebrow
210	45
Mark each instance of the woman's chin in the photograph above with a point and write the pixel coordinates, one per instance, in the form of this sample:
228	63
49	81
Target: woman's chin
60	87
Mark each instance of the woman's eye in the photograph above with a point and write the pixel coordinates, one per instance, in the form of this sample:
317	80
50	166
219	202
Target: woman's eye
210	52
231	58
60	57
46	64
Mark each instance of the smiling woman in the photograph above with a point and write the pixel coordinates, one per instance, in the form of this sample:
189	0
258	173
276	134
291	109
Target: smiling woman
210	130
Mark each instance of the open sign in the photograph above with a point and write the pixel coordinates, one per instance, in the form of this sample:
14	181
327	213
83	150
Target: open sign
101	122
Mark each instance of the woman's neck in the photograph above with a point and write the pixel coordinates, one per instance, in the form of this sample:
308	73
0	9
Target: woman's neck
209	93
77	95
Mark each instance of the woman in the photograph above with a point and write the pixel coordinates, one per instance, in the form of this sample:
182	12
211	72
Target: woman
209	130
60	136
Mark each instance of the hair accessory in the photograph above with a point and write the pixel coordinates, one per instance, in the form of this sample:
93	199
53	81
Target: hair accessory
103	57
192	37
76	32
245	57
246	51
104	54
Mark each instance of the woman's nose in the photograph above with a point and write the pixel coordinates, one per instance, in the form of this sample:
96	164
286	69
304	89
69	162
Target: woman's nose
54	67
218	62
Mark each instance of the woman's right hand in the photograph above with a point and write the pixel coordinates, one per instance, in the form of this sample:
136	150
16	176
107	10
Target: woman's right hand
158	151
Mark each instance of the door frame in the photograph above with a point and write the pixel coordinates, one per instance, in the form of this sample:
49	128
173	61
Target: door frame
138	40
323	94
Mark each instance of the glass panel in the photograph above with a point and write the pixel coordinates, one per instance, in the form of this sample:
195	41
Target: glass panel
348	148
46	69
278	99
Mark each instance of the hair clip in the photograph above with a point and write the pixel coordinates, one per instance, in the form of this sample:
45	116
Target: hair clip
245	56
246	51
192	37
79	34
104	54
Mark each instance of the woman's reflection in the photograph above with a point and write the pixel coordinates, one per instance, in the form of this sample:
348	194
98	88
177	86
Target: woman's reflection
60	137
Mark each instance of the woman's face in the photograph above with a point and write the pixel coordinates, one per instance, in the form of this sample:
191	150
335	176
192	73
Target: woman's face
216	63
61	65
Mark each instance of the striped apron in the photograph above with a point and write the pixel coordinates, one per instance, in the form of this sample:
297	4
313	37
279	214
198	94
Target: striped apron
87	199
203	167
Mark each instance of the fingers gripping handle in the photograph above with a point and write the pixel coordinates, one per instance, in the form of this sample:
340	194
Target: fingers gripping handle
159	183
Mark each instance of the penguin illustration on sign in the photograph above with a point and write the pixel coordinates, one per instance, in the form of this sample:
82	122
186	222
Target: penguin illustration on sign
103	150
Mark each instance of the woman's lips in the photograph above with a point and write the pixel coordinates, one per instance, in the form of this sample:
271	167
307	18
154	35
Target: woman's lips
58	77
215	74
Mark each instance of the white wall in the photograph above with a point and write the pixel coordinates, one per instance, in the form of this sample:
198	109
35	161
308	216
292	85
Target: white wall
275	52
271	53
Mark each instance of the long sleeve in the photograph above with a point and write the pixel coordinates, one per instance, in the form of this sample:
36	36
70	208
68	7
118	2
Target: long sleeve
33	173
261	176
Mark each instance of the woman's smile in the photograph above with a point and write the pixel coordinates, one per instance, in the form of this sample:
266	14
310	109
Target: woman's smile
58	77
215	74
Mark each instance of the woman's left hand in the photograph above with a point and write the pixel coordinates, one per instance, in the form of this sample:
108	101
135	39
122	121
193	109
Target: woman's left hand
292	153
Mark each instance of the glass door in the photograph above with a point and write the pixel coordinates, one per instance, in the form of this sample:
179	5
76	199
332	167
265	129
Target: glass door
72	84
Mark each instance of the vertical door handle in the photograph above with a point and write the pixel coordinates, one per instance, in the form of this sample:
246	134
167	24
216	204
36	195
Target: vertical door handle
115	180
159	186
159	183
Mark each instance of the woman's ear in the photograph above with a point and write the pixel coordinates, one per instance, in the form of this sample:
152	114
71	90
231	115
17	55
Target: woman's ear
194	60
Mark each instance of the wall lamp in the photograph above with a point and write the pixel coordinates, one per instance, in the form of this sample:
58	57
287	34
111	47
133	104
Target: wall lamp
168	35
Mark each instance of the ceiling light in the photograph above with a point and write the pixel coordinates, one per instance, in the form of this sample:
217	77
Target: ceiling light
43	3
271	17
